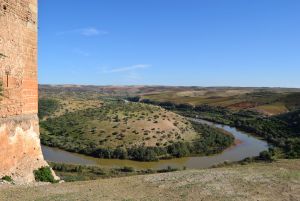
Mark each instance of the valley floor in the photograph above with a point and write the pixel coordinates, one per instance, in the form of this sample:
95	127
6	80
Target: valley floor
277	181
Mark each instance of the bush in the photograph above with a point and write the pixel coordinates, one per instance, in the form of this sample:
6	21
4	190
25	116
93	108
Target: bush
44	174
120	153
168	169
266	156
127	169
7	178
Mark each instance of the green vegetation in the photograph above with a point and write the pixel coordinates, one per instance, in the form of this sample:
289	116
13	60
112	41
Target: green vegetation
272	114
107	127
47	107
7	178
71	173
44	174
63	133
282	131
292	101
213	140
266	156
116	124
135	131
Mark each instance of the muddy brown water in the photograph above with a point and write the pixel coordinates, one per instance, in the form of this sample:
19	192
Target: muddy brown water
248	146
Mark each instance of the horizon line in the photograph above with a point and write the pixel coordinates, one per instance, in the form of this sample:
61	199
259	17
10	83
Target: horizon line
159	85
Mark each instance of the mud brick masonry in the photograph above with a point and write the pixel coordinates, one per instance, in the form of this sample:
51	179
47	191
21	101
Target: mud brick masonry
20	150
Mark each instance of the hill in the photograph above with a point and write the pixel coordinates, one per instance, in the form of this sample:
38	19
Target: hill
119	124
100	125
268	101
265	101
264	181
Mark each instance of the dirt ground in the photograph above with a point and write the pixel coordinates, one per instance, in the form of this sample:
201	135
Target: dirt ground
277	181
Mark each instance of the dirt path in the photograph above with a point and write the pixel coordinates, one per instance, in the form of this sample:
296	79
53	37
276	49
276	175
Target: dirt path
277	181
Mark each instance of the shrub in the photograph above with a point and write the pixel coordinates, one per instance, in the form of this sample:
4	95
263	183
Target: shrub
44	174
168	169
7	178
266	156
127	169
120	153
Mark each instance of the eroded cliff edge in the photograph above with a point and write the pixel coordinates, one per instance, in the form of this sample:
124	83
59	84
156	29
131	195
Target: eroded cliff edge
20	148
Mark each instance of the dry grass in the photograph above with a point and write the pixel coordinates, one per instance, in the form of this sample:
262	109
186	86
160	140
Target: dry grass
268	102
144	125
220	97
72	105
273	109
269	182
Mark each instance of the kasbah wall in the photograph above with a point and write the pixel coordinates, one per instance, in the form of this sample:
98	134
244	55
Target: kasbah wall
20	150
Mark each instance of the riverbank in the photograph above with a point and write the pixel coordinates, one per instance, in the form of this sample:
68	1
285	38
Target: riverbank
258	181
250	147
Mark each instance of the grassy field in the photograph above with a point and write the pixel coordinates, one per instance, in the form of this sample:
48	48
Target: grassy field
266	101
273	108
263	181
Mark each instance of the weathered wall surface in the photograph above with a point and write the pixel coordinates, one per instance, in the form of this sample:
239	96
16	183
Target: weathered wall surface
20	147
20	151
18	44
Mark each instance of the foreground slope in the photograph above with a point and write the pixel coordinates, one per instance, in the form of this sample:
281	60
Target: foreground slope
276	181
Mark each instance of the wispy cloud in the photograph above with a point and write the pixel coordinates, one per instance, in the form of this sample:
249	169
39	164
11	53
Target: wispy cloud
80	52
92	32
89	31
128	68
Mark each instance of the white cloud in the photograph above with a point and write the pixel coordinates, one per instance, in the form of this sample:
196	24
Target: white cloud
89	31
92	32
128	68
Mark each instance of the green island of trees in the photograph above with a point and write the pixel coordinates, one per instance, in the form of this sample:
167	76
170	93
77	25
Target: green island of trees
74	132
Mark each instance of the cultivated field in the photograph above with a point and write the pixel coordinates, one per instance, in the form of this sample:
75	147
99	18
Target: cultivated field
268	102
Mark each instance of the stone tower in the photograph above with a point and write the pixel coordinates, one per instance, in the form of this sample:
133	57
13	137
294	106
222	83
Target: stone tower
20	150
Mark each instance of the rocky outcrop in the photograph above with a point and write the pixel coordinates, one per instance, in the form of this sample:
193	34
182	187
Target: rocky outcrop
20	148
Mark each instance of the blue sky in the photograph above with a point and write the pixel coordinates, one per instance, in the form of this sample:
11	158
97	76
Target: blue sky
170	42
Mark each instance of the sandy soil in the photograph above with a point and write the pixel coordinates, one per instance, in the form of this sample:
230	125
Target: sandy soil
278	181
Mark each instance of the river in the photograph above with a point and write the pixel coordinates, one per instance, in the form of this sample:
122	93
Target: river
247	146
